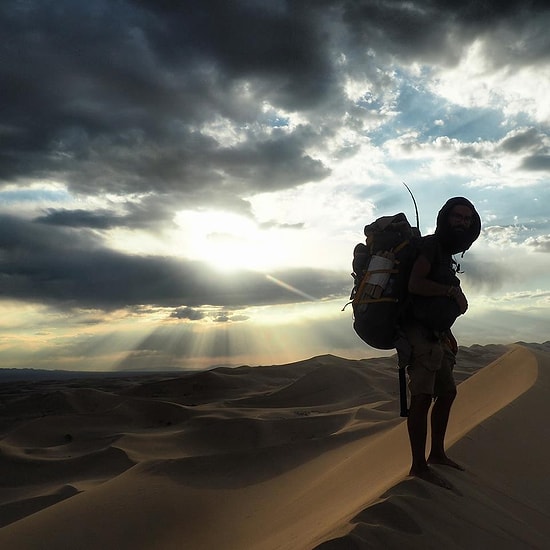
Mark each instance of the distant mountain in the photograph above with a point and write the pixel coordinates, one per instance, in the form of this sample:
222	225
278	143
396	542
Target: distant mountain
488	351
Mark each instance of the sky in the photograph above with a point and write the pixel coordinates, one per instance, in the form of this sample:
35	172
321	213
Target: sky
182	184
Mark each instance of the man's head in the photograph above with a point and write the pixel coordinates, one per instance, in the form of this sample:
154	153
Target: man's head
458	225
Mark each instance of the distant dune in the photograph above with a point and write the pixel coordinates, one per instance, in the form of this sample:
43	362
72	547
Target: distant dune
303	456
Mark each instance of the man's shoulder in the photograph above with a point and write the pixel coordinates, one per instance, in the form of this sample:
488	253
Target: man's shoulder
428	245
432	238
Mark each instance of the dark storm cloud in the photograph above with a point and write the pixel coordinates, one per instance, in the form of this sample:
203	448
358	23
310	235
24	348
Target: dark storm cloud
115	96
537	163
282	41
533	144
81	218
72	269
148	212
437	31
522	140
187	313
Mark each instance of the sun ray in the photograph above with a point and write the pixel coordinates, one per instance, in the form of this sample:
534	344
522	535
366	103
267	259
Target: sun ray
293	289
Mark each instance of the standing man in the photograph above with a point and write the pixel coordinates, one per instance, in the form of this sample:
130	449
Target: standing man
437	301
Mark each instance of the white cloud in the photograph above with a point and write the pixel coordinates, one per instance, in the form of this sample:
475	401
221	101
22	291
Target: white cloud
476	82
502	237
541	243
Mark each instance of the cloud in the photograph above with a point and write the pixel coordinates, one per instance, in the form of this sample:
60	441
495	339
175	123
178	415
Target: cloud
501	237
537	162
485	274
411	30
81	218
540	243
187	313
73	269
522	139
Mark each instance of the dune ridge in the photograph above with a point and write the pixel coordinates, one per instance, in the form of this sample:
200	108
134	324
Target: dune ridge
300	456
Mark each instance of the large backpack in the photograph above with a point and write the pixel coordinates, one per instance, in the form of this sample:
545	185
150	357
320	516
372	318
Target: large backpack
381	270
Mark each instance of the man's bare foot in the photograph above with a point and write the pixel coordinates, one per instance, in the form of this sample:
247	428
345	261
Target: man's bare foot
444	461
427	474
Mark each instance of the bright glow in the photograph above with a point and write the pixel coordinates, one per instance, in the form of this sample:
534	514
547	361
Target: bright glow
226	241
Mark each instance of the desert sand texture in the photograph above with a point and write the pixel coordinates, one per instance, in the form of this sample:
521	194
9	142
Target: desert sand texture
309	455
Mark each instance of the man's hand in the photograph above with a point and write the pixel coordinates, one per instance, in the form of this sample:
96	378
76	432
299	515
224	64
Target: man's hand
461	300
451	342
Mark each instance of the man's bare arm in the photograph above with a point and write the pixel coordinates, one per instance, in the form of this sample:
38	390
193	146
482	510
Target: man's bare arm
421	285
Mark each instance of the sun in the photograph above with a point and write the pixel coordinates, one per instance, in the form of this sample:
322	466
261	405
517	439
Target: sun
227	241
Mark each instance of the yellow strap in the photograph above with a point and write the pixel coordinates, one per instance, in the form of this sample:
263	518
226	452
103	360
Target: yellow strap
402	245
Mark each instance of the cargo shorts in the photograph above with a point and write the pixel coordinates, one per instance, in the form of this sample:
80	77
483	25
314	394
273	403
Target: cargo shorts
431	362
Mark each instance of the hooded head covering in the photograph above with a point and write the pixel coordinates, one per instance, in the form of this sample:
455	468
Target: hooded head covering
450	240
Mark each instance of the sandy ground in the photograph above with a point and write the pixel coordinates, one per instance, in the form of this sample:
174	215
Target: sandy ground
310	455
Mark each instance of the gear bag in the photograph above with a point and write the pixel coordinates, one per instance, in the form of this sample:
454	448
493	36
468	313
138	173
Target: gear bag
381	271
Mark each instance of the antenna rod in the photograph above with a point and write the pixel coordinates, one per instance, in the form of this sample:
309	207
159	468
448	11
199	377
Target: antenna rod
415	206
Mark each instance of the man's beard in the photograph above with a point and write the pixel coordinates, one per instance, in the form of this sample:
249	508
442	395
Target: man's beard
453	240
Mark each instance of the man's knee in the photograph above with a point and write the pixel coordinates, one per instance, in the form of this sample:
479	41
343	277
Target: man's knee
448	396
421	401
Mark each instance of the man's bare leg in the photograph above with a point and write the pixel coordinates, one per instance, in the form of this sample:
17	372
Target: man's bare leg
439	421
417	424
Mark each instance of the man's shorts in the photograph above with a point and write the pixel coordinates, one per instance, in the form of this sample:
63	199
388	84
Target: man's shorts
431	364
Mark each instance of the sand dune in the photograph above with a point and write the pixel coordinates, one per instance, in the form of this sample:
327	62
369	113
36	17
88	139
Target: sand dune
301	456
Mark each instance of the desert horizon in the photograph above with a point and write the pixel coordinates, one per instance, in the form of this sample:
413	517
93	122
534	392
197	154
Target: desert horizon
301	456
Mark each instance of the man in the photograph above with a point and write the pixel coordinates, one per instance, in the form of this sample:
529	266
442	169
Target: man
437	300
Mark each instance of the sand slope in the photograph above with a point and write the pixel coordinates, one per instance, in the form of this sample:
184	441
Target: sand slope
503	499
290	457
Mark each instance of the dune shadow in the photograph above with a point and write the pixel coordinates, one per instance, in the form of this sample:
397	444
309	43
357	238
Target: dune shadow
14	511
